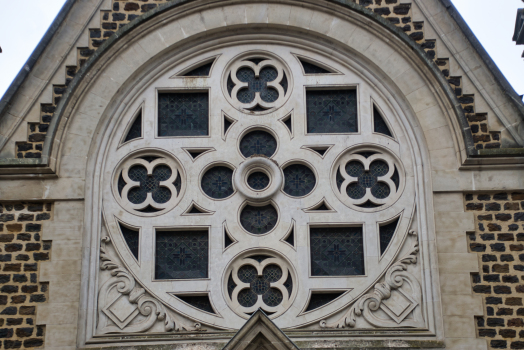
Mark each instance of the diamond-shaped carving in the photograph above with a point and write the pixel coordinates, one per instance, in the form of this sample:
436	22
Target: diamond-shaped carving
398	306
121	311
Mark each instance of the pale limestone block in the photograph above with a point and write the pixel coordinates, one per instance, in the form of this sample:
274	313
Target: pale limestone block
341	30
457	283
443	159
64	292
61	269
83	125
213	18
459	327
71	166
192	24
461	305
497	180
408	81
34	113
134	56
77	145
361	40
448	180
458	40
67	250
432	7
235	14
278	13
452	221
31	86
380	52
431	118
446	202
257	13
60	335
152	43
422	99
451	242
70	212
17	190
18	104
466	344
446	23
62	231
439	138
57	313
94	105
300	17
7	122
458	263
67	188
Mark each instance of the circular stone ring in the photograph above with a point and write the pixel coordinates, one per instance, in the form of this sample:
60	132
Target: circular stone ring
255	165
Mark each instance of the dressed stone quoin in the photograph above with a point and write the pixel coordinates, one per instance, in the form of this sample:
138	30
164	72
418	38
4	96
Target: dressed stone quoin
203	174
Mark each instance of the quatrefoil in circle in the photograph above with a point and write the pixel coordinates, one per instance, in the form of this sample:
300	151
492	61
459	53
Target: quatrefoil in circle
257	84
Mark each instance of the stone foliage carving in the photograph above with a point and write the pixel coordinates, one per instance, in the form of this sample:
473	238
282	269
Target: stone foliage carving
389	297
130	308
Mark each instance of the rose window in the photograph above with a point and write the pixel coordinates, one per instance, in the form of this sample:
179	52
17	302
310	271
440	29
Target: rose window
256	186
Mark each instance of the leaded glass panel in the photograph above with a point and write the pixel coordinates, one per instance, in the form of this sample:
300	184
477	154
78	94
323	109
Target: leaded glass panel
336	251
258	220
135	131
379	123
201	71
367	179
310	68
260	285
299	180
257	84
258	181
183	114
132	239
199	301
149	184
181	254
320	299
258	142
331	111
217	182
386	234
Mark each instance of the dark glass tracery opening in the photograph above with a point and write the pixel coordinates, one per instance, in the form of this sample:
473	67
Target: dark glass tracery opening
379	123
217	182
258	180
200	71
299	180
135	131
331	111
201	302
367	179
386	234
320	299
258	220
258	142
132	239
257	84
183	114
181	254
260	285
149	184
336	251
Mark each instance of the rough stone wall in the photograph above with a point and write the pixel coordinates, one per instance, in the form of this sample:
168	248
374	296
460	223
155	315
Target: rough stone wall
21	251
499	242
123	12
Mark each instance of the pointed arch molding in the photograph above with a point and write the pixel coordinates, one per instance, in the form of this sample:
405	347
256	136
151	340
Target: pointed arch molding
88	73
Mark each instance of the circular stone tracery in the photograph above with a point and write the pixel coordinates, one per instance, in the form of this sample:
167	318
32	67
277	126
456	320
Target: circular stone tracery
258	181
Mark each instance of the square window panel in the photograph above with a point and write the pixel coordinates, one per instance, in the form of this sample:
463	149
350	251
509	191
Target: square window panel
331	111
183	114
336	251
181	254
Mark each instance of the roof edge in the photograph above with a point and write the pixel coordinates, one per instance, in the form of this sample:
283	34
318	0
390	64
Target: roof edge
35	55
484	55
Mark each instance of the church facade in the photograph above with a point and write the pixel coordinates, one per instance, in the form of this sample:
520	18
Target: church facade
253	174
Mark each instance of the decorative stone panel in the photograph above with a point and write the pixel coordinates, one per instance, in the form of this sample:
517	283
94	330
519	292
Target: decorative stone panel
499	242
21	251
122	12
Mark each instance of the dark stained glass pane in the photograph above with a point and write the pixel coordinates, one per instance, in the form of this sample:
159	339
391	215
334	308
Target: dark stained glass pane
258	220
227	240
200	302
396	178
231	285
320	299
257	84
258	181
291	238
367	179
202	71
227	124
121	184
181	254
386	234
183	114
337	251
310	68
217	182
289	124
260	285
379	123
258	142
132	239
135	131
149	184
331	111
299	180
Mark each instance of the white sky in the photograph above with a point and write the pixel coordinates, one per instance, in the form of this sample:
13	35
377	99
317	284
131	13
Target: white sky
493	21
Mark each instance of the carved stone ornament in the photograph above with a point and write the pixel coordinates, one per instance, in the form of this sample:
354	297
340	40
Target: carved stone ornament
389	297
125	307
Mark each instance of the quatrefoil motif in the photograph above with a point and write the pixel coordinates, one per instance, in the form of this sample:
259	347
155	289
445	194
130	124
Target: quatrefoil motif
257	85
260	283
149	184
372	178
